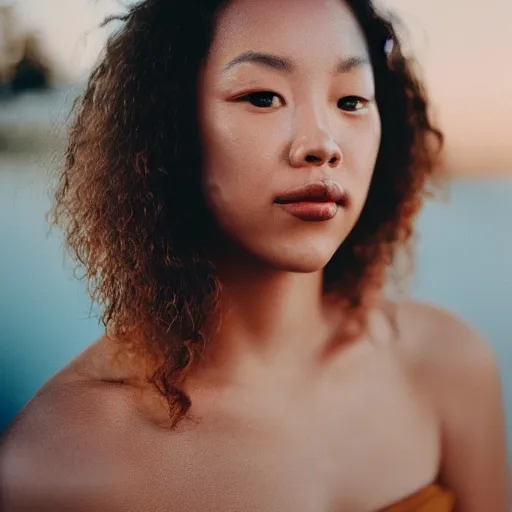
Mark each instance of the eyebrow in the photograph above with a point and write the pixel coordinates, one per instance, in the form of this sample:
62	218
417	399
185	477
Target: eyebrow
286	65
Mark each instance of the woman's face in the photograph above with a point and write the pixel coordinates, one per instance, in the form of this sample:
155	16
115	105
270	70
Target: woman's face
287	100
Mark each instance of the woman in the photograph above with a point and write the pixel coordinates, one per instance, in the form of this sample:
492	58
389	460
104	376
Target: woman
239	178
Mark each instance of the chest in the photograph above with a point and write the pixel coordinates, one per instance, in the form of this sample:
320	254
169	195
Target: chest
357	449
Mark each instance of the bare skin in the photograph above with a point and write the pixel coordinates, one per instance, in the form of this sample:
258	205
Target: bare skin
284	424
363	434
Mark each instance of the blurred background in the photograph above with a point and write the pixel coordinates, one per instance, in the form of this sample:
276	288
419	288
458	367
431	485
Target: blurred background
464	252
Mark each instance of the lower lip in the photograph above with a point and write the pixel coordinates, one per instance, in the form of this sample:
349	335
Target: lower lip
311	210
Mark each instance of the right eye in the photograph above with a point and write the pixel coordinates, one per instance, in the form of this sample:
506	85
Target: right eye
263	100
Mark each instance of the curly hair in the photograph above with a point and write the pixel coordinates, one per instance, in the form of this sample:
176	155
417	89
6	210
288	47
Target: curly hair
132	169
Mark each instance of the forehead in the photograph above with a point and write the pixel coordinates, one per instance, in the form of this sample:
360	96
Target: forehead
315	30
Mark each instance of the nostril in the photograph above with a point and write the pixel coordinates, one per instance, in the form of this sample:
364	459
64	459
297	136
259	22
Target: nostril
333	160
312	158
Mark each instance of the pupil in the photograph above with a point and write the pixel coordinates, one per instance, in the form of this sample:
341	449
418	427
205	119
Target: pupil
262	99
350	103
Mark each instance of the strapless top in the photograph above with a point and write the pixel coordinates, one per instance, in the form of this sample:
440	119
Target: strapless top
433	498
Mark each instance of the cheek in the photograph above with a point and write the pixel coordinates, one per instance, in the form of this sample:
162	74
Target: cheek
361	159
238	160
364	147
234	180
220	159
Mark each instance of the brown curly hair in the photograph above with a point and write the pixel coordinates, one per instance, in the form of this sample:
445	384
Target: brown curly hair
133	165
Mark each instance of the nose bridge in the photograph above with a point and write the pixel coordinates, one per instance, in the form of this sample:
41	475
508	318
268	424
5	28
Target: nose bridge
314	141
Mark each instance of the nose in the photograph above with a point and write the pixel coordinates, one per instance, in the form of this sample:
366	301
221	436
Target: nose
315	146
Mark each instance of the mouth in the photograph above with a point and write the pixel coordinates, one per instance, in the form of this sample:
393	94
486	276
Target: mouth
323	191
314	201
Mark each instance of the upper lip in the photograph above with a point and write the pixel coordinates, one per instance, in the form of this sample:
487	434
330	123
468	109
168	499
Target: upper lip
321	190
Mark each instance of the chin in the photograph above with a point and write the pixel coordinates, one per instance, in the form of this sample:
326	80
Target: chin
298	252
300	259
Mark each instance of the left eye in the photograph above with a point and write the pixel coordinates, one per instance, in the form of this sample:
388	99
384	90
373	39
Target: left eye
352	103
262	99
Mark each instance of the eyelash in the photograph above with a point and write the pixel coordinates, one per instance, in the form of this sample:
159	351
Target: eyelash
247	98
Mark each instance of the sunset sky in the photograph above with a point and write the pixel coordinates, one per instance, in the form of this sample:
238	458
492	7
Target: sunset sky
464	48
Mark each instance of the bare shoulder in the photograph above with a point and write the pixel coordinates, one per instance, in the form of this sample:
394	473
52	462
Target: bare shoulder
458	369
432	335
67	447
451	358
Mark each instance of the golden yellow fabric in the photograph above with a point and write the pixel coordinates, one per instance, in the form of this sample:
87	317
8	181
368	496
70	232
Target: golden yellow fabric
432	498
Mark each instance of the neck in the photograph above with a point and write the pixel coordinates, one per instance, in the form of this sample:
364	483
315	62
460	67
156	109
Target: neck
270	322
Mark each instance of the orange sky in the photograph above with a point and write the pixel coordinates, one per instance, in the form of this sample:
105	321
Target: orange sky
463	46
